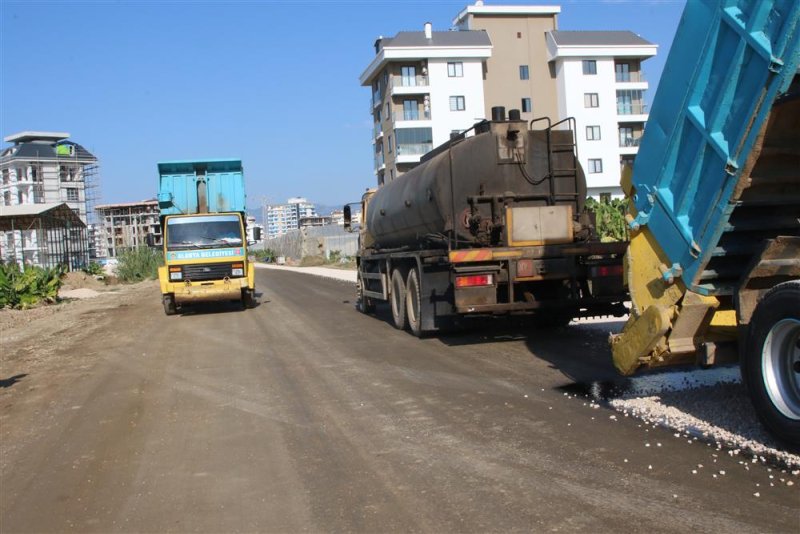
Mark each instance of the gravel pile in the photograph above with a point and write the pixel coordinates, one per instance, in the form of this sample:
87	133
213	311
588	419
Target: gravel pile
708	404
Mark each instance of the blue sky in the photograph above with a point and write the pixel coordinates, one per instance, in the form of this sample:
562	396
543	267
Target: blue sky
274	83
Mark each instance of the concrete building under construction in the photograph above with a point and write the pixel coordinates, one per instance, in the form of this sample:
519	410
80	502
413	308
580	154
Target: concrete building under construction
127	225
41	172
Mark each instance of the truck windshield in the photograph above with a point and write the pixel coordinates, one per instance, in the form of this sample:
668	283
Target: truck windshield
213	231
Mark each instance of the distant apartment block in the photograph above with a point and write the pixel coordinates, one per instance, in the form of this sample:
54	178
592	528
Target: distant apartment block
601	84
517	75
425	86
251	227
40	172
127	225
280	218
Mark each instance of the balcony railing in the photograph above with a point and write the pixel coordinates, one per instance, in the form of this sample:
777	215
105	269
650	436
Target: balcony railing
627	142
628	77
377	131
631	108
379	161
375	100
416	149
412	115
408	81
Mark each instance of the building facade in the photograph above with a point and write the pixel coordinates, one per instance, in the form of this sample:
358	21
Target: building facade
601	84
517	75
281	218
127	225
46	168
425	86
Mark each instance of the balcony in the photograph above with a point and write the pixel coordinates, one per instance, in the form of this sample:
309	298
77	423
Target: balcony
377	131
375	101
411	118
411	152
408	85
380	164
631	108
629	142
630	77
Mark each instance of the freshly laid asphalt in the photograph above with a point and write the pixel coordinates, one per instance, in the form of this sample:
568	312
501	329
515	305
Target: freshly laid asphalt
304	415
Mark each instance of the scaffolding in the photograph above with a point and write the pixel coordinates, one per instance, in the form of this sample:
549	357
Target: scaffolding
45	235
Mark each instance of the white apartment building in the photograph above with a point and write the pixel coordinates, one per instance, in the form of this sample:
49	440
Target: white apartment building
45	169
127	225
425	86
600	83
251	227
280	218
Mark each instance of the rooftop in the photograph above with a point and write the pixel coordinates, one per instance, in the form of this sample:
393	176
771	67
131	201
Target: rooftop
22	215
149	202
504	11
598	38
438	39
29	136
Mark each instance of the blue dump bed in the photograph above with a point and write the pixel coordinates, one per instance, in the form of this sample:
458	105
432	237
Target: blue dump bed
187	186
729	62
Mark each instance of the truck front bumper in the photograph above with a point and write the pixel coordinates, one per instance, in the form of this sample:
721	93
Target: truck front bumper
208	291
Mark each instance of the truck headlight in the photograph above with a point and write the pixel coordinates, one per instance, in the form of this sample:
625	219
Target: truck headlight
237	272
175	275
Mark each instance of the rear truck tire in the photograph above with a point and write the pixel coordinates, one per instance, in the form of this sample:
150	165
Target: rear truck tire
771	361
413	307
363	304
169	305
248	298
398	300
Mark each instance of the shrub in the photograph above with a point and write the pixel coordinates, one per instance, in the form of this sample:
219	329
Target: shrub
94	269
139	264
264	255
609	218
23	289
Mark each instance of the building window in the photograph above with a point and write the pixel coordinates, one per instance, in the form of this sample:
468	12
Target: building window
457	103
526	105
455	69
630	102
72	194
523	72
389	145
622	72
589	66
592	133
408	76
590	100
519	35
595	166
410	110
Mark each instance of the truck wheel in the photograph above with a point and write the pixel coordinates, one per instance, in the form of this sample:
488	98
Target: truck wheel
398	299
413	299
363	304
169	305
248	298
771	361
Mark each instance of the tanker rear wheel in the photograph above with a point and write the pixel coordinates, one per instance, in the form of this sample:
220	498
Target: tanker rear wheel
364	304
398	300
413	308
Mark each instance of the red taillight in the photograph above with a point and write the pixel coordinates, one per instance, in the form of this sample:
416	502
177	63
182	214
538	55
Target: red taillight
606	270
474	280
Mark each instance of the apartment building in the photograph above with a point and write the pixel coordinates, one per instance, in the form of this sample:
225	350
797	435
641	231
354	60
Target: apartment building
280	218
425	86
517	75
251	229
40	171
127	225
601	84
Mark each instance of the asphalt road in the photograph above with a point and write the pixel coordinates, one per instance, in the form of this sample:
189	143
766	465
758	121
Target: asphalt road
304	415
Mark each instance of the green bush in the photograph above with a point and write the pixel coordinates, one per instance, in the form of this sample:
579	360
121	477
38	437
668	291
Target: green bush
263	255
23	289
139	264
609	218
94	269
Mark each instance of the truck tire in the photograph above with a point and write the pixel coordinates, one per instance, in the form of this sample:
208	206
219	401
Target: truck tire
363	304
413	308
771	361
398	300
248	298
169	305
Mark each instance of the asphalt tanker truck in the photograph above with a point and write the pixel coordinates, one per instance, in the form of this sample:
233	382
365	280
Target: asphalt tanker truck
490	222
713	267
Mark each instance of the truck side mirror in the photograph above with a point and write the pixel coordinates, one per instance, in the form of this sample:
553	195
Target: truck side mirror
257	233
348	222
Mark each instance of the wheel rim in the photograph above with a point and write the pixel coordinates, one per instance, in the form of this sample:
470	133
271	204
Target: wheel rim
412	297
780	361
395	298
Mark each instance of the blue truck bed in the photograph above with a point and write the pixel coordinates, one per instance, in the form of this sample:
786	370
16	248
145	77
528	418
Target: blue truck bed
181	181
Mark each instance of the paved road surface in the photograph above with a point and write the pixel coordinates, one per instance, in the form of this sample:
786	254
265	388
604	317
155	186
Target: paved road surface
303	415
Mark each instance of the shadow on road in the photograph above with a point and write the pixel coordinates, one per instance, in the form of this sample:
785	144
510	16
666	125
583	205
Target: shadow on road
10	381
